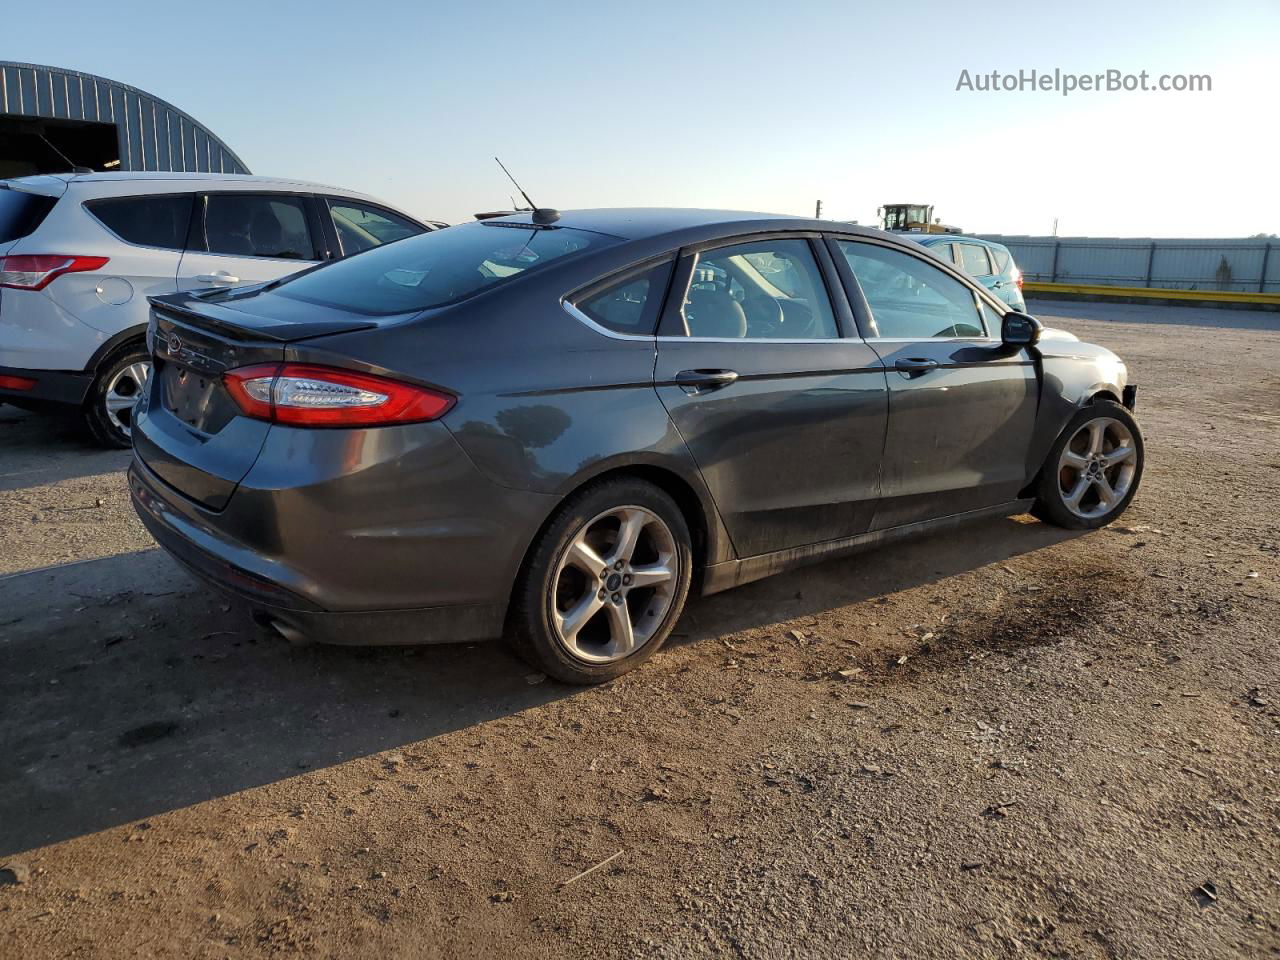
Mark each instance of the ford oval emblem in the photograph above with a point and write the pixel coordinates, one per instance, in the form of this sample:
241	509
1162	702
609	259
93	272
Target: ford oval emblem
174	344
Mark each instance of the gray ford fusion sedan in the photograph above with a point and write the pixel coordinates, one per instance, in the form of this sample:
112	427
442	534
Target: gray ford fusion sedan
552	426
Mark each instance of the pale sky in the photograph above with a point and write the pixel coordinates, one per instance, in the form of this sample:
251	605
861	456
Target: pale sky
744	105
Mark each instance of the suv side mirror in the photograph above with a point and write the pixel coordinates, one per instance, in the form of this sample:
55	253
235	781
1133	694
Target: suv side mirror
1020	330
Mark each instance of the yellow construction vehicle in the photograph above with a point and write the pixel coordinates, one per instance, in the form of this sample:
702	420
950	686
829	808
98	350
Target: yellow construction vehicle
913	218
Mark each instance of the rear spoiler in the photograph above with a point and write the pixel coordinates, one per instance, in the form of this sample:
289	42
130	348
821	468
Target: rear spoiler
40	186
240	325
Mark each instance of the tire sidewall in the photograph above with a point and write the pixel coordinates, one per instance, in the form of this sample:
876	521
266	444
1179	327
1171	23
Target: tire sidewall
100	428
1049	495
540	634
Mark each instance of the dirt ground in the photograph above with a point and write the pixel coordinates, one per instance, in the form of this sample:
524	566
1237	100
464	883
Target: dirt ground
1056	745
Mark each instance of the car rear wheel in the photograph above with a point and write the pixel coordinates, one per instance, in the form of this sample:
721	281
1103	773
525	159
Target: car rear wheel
108	411
1093	469
605	583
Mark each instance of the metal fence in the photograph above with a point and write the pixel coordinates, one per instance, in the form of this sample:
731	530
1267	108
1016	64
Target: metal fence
1245	266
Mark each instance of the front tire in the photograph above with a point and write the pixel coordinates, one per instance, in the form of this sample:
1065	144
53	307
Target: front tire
1093	468
108	411
605	583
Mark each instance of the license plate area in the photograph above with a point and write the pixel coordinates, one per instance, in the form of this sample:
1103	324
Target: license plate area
195	397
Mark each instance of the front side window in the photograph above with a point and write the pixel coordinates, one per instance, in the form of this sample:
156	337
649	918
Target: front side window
146	221
439	267
910	298
764	290
258	225
362	227
974	260
631	304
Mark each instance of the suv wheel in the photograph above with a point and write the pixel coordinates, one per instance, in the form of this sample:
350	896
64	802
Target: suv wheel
605	584
1093	468
108	411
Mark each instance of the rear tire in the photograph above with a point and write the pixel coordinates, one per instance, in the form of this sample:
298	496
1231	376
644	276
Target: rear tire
1093	469
604	584
108	409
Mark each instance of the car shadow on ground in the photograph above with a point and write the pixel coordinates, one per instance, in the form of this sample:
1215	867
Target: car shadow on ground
867	575
48	447
130	690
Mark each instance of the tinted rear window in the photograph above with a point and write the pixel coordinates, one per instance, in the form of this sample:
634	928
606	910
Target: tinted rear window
21	213
146	221
436	268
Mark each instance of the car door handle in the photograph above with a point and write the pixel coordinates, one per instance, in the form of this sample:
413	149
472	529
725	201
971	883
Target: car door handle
219	279
997	285
916	365
696	381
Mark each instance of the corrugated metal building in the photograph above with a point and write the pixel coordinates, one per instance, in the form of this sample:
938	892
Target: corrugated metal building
52	119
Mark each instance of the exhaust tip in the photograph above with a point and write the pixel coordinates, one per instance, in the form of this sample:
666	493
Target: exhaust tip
287	631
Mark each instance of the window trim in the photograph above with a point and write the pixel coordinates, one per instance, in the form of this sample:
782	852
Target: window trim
862	310
671	322
570	300
316	216
200	213
991	255
183	240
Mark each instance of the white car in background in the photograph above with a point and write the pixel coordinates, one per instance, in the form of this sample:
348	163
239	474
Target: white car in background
80	254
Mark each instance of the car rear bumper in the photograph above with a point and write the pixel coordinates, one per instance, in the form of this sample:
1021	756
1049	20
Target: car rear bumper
223	566
361	561
49	388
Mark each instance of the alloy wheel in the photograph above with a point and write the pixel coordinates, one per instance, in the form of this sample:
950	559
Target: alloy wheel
614	584
122	393
1097	467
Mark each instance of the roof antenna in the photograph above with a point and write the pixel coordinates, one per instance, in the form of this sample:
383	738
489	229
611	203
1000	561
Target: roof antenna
541	215
75	167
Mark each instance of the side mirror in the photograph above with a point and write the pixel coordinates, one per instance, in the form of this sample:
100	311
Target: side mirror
1020	330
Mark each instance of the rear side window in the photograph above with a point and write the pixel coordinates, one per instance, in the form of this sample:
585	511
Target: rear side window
439	267
974	260
362	227
146	221
1000	259
258	225
631	304
21	213
944	251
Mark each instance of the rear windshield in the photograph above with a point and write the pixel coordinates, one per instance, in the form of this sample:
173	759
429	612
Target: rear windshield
21	213
437	268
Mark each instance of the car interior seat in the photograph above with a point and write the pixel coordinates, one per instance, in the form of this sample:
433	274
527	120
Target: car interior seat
266	234
714	313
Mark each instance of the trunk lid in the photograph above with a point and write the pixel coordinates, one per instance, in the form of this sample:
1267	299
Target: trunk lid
188	430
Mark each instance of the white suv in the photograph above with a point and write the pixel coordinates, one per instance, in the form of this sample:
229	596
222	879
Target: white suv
80	254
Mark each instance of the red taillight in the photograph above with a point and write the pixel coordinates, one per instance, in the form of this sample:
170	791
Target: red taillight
16	383
1017	277
303	395
35	271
